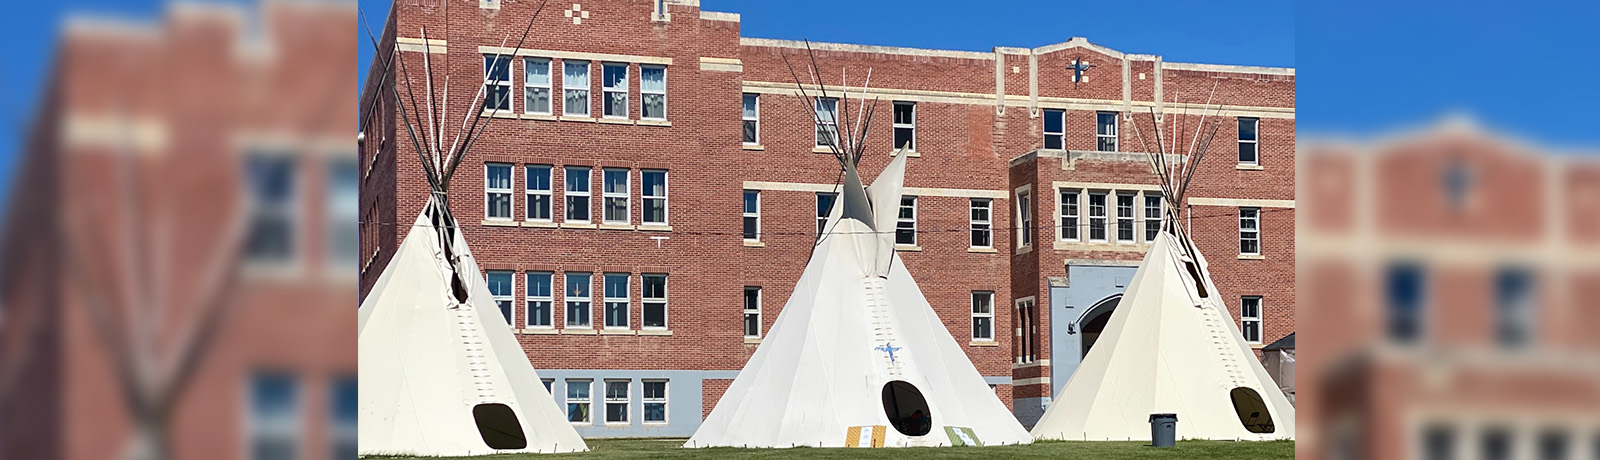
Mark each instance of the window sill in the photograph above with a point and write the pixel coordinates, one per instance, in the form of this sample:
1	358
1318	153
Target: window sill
752	340
655	123
570	225
1248	167
500	114
907	248
821	150
909	153
662	332
499	223
538	331
615	121
617	226
655	228
1024	249
578	331
1256	345
983	250
539	223
577	118
1113	246
1252	257
539	116
753	147
617	332
984	343
754	244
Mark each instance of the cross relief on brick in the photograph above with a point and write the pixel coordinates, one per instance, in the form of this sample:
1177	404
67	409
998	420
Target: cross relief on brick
576	13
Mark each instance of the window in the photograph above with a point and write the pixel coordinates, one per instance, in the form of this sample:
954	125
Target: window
536	85
614	196
1553	444
1027	347
1438	443
655	300
905	224
1514	322
653	195
1405	289
577	194
1097	216
578	400
827	121
1105	132
983	316
617	401
575	83
1055	129
273	214
548	383
1250	231
539	299
1024	220
982	222
500	286
616	300
497	86
1069	215
824	208
343	206
275	423
1125	218
653	92
497	191
752	311
1496	443
752	118
1249	141
655	401
1152	216
343	410
905	126
578	298
614	90
752	215
539	192
1250	318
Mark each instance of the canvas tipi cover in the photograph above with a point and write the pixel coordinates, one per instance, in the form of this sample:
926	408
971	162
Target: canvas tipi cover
857	357
442	377
1170	347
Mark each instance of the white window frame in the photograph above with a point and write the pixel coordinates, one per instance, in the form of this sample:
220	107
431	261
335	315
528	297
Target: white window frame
607	91
587	401
645	197
1256	142
610	301
570	86
899	126
1152	224
511	104
607	194
286	428
1246	234
1104	225
568	301
832	125
822	214
626	400
976	315
587	193
1061	135
1116	122
750	214
646	400
488	191
1024	201
984	225
508	297
1246	319
1131	221
751	118
662	92
547	192
1069	227
748	312
901	222
548	298
529	86
646	301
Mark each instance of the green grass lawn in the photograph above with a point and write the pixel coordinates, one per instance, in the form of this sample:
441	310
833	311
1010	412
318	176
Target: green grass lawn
668	448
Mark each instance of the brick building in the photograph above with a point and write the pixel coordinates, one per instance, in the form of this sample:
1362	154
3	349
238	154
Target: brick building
200	109
1451	278
644	235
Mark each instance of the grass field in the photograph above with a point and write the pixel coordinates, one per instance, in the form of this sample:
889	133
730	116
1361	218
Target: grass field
608	449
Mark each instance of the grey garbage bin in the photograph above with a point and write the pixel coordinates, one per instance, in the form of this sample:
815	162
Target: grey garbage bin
1163	429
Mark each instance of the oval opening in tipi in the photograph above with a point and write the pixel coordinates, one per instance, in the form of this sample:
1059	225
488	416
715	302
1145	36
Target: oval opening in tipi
1252	410
907	410
498	426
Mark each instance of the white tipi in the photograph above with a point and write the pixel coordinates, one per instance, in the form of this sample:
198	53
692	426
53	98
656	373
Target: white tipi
858	358
440	372
1170	347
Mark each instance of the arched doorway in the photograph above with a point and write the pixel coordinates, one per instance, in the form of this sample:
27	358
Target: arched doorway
1093	321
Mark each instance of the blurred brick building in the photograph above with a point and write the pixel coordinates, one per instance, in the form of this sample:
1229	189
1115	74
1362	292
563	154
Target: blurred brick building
1449	282
181	119
647	196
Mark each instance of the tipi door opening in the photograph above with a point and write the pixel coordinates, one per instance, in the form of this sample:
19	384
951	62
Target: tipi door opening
498	426
907	410
1252	410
